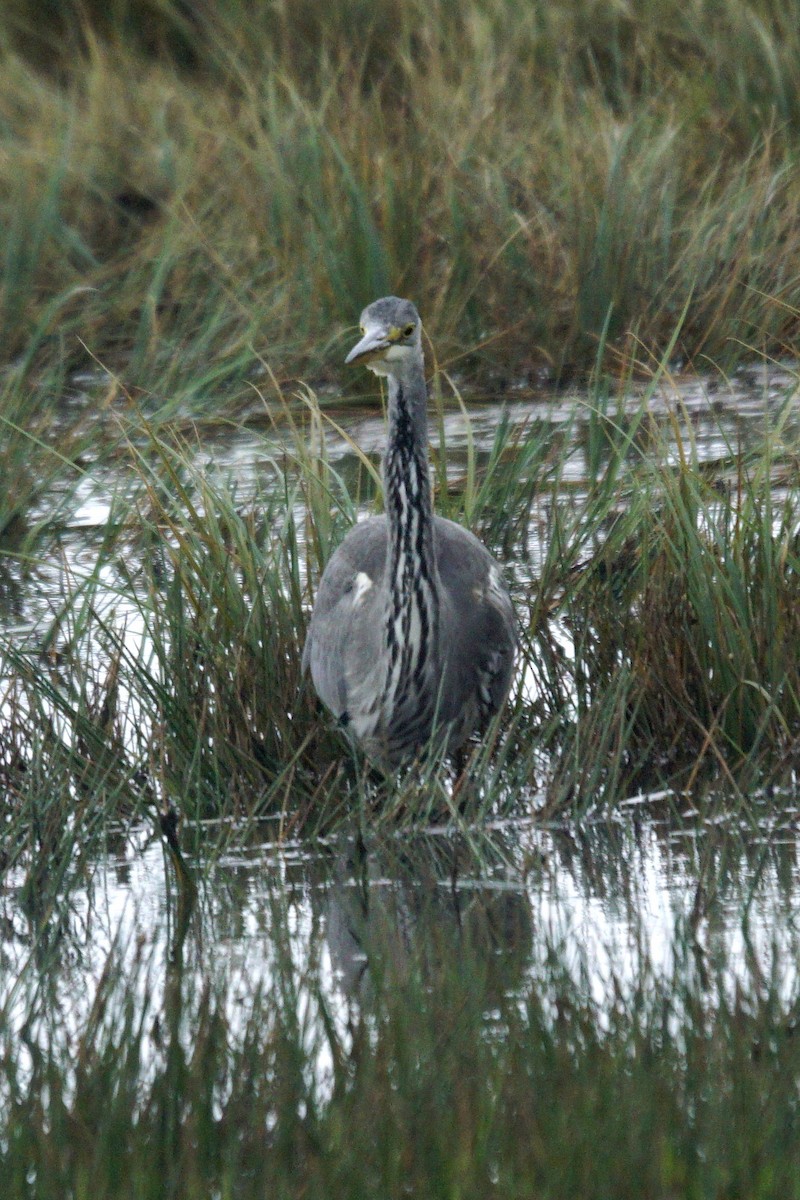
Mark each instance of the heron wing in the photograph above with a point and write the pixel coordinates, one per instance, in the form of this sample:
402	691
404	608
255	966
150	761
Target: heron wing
344	637
478	627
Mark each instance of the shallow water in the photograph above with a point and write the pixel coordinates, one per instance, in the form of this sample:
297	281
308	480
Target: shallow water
716	419
618	906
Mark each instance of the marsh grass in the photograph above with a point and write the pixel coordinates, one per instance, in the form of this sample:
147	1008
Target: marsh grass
684	621
183	192
43	449
658	618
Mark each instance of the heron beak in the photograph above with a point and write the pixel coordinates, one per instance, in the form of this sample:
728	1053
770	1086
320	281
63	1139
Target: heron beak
374	343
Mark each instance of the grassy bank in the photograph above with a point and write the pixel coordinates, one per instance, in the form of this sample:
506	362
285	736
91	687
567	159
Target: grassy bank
180	191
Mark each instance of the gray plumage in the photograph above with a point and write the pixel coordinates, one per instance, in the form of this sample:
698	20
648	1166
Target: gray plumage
413	631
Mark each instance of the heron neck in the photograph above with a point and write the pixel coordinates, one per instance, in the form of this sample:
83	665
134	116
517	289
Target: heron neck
412	600
406	478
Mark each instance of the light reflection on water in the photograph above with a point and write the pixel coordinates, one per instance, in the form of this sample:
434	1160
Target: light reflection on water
719	418
618	907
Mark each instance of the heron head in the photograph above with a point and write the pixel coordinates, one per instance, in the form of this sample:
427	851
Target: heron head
390	336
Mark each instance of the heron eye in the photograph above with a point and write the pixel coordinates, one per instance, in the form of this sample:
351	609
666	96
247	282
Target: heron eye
409	329
362	330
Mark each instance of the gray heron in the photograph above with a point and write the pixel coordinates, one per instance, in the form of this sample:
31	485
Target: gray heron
413	634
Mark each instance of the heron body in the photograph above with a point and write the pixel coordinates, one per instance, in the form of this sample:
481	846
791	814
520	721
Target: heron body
413	632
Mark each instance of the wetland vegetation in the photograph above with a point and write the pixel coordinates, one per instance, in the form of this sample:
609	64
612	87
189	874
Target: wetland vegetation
595	207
